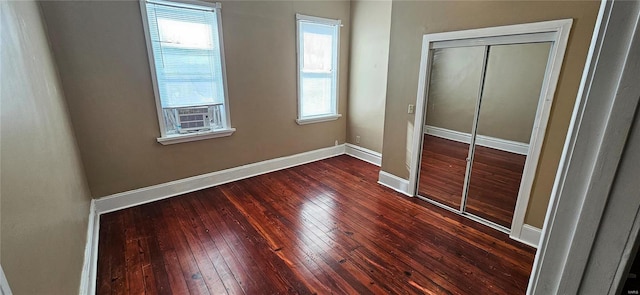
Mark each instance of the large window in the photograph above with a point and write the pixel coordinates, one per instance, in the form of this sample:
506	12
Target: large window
184	41
318	43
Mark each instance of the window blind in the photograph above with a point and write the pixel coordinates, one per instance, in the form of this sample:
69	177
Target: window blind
186	53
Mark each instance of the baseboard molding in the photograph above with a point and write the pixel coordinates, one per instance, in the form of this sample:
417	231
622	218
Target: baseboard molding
486	141
89	266
170	189
529	235
394	182
363	154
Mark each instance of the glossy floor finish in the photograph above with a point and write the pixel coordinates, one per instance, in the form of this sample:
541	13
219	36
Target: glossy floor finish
493	186
320	228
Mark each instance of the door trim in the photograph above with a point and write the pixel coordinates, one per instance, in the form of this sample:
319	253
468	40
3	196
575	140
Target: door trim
560	31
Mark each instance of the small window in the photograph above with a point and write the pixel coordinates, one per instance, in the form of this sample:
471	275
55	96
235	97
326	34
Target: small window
186	55
318	43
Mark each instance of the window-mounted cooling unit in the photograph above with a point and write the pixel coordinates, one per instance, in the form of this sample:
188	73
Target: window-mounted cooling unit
192	119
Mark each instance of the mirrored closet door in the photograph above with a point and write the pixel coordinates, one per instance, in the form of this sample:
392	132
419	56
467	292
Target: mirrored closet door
481	108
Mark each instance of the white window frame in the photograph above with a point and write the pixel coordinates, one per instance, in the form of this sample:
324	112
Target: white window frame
334	115
165	138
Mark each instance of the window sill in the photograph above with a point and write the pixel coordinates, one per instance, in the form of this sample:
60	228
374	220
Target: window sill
318	119
180	138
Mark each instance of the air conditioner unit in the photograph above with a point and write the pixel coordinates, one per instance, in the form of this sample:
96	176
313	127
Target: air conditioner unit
192	119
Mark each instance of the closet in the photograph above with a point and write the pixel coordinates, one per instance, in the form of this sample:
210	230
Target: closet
484	103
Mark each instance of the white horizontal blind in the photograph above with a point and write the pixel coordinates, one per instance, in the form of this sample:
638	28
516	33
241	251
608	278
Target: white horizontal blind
317	61
186	53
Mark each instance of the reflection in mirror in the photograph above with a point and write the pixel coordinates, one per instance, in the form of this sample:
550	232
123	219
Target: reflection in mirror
510	97
454	84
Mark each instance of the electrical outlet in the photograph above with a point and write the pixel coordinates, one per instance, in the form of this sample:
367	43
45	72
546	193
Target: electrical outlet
358	139
411	109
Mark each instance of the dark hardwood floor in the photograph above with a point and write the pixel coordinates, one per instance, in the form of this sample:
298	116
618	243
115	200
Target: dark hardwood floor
324	227
494	184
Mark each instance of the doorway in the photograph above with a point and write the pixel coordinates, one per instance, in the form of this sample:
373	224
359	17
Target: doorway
484	100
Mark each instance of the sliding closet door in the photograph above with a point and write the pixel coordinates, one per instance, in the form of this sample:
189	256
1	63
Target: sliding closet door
510	97
454	87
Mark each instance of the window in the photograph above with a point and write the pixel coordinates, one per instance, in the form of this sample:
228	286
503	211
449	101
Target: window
318	43
186	55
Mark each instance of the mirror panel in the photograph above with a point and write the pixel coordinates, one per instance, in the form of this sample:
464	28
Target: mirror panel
510	97
454	84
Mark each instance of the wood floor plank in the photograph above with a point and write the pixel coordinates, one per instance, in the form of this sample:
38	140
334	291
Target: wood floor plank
313	241
365	253
103	282
322	228
133	274
275	269
159	267
118	259
321	278
219	236
240	244
213	252
207	269
190	270
149	278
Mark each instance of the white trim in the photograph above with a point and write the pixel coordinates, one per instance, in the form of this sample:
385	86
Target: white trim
90	264
318	20
508	39
528	28
547	96
482	140
529	235
4	284
474	132
318	119
584	193
421	103
179	138
556	56
191	4
395	183
363	154
178	187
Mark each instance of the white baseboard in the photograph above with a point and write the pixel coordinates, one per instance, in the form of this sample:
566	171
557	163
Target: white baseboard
89	266
394	182
166	190
486	141
363	154
529	235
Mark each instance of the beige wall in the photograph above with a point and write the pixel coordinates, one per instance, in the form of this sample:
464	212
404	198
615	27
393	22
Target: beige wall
411	19
45	198
101	53
370	28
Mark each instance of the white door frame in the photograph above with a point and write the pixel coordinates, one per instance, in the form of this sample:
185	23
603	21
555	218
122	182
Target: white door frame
592	224
4	285
556	31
